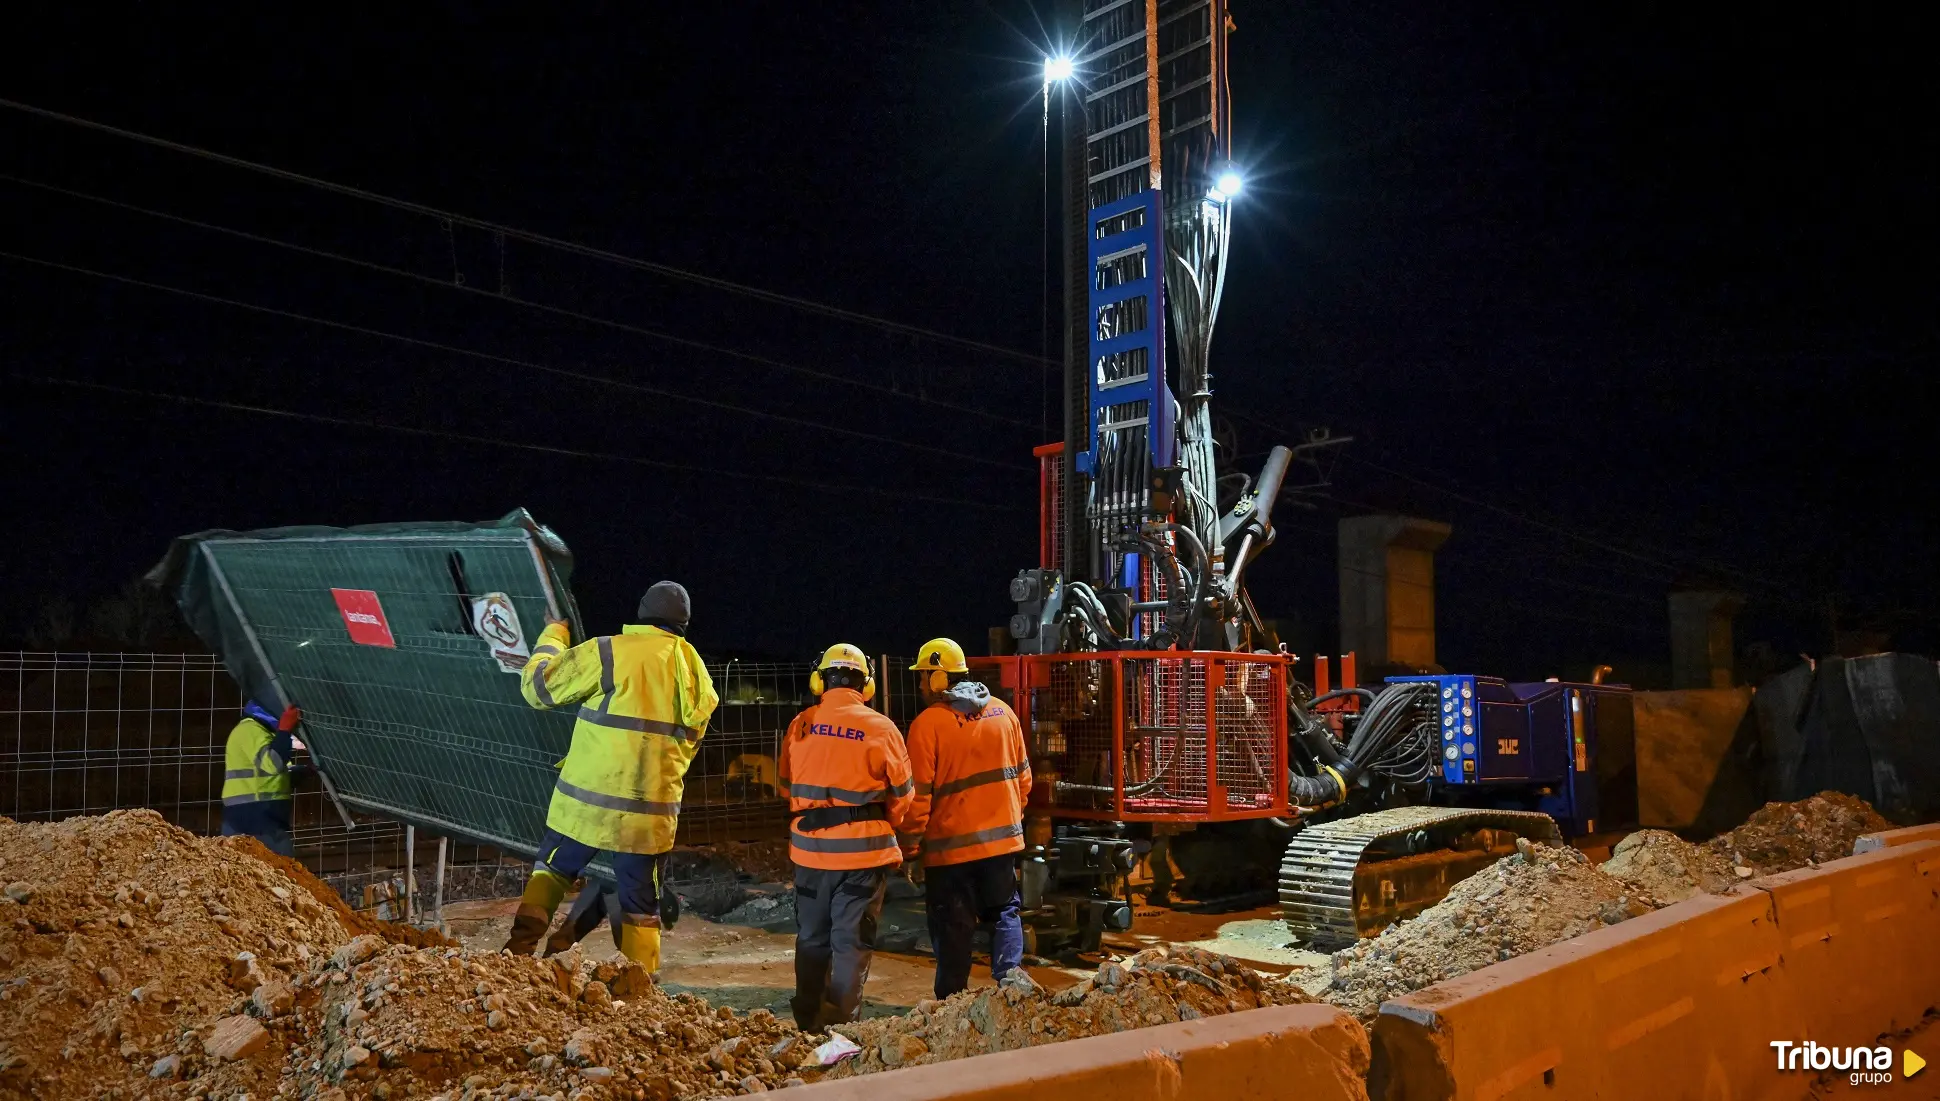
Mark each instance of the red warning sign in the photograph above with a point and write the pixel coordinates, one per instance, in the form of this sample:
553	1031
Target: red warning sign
364	616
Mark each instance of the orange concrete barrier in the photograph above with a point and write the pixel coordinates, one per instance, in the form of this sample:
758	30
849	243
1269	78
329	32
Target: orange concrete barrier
1684	1002
1296	1053
1873	842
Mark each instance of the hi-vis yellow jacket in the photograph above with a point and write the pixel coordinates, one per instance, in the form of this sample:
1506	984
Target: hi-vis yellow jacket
645	700
252	770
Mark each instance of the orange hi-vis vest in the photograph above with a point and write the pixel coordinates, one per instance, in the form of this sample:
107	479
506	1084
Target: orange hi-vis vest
843	753
973	776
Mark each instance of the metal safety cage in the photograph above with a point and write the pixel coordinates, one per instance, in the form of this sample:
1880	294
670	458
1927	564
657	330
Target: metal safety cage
1155	736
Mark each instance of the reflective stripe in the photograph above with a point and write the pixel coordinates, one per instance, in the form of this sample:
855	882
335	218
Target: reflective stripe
979	779
843	795
254	797
278	766
999	833
923	788
240	774
606	669
638	726
539	690
810	844
545	649
614	802
902	789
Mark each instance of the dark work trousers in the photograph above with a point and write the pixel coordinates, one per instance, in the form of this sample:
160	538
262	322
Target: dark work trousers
960	897
267	820
835	940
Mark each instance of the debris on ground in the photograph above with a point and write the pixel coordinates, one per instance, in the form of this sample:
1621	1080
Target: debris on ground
1779	837
1531	899
763	910
1156	986
124	941
1669	868
392	1021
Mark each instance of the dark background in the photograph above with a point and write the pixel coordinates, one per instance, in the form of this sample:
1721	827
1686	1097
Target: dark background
1635	299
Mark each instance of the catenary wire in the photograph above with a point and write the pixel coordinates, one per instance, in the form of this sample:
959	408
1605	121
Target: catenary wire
496	442
524	364
515	233
558	311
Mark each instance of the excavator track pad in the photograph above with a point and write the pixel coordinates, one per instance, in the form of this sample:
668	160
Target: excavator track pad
1351	878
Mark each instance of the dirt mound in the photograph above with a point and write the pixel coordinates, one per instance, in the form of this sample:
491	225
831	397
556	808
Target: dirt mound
122	935
1781	836
353	922
1538	896
1156	986
392	1021
1669	868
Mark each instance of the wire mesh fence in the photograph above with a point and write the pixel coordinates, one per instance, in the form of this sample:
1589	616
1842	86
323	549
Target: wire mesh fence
89	733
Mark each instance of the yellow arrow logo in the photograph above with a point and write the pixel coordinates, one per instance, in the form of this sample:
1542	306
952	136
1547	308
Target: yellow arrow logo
1911	1064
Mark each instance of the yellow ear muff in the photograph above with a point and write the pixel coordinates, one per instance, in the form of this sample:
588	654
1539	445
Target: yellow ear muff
868	689
939	681
815	683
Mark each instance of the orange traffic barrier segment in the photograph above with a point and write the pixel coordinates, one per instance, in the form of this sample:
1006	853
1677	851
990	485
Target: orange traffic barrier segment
1283	1053
1873	842
1687	1001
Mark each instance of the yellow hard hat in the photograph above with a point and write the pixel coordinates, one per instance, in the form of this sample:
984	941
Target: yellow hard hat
843	655
944	654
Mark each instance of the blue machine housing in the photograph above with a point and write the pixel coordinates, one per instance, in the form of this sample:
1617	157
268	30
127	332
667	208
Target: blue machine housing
1535	746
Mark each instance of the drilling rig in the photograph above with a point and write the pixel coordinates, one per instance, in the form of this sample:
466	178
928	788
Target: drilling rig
1156	701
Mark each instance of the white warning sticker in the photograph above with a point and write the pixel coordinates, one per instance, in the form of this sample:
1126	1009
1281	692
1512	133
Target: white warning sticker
497	622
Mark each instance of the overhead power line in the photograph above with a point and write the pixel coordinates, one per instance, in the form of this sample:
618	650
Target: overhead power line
510	361
668	270
499	442
558	311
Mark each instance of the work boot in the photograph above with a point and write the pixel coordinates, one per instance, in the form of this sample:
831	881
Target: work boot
641	944
543	893
588	910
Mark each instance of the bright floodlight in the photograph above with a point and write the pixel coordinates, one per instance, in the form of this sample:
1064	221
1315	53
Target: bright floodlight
1056	69
1228	185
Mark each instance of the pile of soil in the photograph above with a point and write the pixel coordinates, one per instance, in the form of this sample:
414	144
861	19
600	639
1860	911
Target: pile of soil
355	922
385	1022
1157	986
120	934
1671	869
1529	900
1779	837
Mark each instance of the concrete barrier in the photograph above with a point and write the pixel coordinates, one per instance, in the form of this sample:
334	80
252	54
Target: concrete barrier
1684	1002
1295	1053
1873	842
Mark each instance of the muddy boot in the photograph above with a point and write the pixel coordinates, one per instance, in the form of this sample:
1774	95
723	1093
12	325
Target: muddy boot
543	893
589	909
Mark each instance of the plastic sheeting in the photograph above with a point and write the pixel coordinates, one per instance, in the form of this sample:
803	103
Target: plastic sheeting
397	641
1867	726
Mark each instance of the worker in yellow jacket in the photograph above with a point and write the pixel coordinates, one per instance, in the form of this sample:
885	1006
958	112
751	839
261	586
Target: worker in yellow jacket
644	701
258	788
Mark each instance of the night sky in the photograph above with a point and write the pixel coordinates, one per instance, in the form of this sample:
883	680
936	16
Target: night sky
1633	298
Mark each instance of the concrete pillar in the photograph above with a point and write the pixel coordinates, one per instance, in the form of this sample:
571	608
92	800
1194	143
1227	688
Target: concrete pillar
1387	589
1701	650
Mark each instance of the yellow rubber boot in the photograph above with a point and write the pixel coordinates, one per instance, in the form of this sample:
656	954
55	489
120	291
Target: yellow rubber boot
641	944
543	894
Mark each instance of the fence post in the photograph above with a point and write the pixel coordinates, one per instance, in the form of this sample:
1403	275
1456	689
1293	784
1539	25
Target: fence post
439	888
410	873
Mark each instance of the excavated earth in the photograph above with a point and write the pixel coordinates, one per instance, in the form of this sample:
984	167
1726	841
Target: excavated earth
1544	894
139	960
1154	987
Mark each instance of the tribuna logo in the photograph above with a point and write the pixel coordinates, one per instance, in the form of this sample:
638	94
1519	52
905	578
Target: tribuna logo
1869	1065
363	617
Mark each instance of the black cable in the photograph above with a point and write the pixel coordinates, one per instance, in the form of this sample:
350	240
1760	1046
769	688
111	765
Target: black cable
529	365
497	442
559	311
514	233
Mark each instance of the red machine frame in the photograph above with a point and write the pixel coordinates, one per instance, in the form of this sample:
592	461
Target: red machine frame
1237	772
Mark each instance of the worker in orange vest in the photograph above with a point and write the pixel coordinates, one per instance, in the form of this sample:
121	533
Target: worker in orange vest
973	776
846	775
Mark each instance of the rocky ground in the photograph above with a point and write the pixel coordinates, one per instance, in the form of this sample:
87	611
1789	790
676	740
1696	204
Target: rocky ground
138	960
